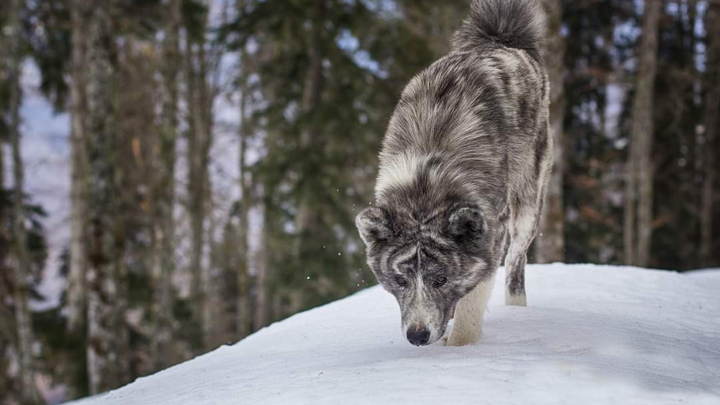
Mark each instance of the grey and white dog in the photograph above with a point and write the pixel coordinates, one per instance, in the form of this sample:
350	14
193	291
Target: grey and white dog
463	170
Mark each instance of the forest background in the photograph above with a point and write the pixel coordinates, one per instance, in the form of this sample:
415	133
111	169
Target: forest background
176	174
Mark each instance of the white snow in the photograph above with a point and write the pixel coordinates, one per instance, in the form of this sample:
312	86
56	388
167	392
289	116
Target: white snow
590	335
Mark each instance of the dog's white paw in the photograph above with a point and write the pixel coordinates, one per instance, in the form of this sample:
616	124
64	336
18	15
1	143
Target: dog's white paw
462	339
516	300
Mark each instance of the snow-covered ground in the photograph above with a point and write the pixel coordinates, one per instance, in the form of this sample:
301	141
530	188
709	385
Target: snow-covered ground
590	335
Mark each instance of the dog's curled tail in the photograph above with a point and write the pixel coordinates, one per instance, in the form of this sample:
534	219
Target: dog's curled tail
511	23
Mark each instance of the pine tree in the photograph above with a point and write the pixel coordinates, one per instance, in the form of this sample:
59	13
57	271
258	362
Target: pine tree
321	112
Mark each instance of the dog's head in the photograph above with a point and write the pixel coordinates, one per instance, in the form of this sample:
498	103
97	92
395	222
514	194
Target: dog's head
428	265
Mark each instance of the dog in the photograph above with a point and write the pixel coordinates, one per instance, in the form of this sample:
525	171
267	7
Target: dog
463	169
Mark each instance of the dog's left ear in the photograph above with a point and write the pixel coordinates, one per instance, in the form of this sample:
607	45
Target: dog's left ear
374	225
466	222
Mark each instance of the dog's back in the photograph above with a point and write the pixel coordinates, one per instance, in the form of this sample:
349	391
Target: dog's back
475	122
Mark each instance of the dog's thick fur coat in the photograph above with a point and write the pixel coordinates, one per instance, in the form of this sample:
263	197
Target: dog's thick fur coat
463	170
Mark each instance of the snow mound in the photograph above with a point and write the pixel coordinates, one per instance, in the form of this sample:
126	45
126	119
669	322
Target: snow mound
590	335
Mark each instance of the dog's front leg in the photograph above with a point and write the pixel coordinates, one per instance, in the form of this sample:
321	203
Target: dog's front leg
469	314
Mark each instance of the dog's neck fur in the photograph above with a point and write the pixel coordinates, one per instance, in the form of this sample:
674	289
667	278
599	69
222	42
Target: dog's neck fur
423	184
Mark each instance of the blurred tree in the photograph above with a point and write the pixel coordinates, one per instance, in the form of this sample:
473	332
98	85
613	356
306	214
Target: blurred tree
597	48
163	162
6	316
550	245
11	379
317	81
199	138
432	21
244	313
77	294
677	154
639	188
22	261
309	219
711	135
325	72
227	298
102	229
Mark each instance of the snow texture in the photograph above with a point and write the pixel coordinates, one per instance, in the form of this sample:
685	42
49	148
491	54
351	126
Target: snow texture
590	335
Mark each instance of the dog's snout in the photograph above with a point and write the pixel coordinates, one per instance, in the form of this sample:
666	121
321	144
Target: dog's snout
419	336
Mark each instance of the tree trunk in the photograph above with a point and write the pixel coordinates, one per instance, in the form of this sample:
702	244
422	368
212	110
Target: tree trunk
308	218
640	173
7	317
101	150
712	127
77	278
550	246
630	205
263	267
192	205
5	237
22	273
2	182
206	94
163	224
199	141
312	88
243	313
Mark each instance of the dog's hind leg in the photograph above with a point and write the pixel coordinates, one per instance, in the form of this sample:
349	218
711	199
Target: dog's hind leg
523	225
525	212
469	314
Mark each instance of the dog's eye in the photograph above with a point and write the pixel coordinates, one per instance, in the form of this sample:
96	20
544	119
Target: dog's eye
440	281
400	281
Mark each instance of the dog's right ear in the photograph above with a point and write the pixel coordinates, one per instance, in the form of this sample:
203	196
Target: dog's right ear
466	223
374	225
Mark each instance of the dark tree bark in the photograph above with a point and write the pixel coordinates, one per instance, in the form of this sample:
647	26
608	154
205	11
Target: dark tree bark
244	320
639	185
22	272
102	232
550	245
77	278
308	214
199	102
260	317
712	127
164	158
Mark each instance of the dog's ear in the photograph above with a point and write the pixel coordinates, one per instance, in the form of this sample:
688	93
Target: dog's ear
374	225
466	223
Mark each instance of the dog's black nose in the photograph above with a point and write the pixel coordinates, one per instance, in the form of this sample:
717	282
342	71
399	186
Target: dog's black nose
418	336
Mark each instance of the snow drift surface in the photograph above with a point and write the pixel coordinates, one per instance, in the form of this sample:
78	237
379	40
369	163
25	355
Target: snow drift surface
590	335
